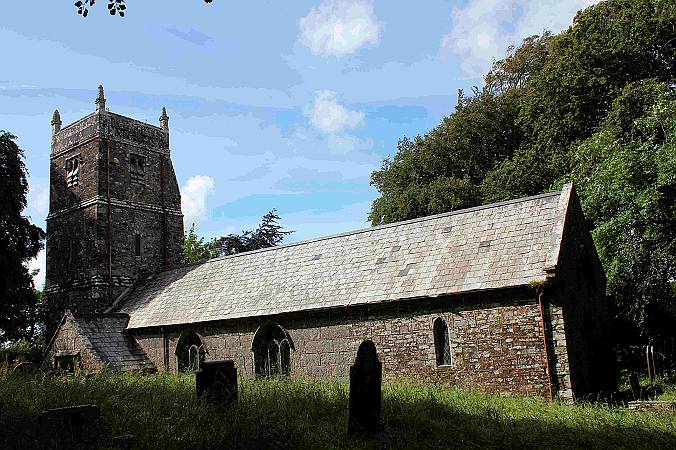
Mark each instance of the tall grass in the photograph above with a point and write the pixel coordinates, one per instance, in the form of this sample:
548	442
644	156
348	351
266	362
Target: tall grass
162	411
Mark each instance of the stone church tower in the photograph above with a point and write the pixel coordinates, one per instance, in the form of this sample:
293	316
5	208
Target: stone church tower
114	210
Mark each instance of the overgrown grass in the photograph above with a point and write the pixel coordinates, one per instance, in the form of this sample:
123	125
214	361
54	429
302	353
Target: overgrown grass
162	411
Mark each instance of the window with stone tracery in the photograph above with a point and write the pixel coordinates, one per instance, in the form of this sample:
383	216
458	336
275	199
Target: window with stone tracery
272	351
73	170
190	351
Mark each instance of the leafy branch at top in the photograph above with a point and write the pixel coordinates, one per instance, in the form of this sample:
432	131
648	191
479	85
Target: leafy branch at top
114	7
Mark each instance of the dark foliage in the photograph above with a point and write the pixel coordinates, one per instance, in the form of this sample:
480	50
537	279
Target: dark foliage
114	7
20	241
268	234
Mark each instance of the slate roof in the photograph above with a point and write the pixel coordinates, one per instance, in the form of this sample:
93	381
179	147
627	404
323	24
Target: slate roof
488	247
105	337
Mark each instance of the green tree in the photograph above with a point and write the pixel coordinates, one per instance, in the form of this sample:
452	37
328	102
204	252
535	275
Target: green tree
268	234
441	170
626	174
444	169
196	250
610	45
20	241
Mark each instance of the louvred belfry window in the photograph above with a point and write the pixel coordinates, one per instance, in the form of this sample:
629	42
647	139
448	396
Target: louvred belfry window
137	168
73	170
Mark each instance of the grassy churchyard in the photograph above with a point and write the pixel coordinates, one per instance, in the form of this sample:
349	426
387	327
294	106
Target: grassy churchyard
162	412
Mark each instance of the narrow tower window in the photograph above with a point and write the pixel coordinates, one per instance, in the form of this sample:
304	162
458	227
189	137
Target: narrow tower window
442	345
71	251
137	245
73	171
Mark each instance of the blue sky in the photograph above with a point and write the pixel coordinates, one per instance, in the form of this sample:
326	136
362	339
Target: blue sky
287	105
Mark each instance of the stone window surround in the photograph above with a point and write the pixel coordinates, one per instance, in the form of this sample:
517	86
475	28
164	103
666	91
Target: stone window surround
202	352
138	245
72	166
137	165
447	337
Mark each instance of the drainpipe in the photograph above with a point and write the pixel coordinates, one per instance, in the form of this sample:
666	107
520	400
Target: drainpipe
165	349
544	339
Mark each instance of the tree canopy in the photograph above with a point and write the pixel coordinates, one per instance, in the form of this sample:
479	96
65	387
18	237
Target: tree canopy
593	104
268	234
626	174
20	241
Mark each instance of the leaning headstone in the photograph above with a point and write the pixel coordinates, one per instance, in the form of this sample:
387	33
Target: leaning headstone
26	368
124	442
75	427
635	386
216	381
365	406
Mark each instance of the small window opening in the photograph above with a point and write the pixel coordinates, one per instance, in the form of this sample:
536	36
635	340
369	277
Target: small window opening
442	344
65	363
72	251
73	171
137	245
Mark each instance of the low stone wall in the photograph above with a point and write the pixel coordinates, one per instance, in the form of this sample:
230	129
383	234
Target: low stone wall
653	405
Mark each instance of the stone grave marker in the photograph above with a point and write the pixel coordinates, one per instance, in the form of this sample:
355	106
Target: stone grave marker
635	386
365	405
216	381
26	368
124	442
75	427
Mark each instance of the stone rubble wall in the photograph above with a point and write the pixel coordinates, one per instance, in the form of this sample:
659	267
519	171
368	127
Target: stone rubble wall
77	274
69	338
496	347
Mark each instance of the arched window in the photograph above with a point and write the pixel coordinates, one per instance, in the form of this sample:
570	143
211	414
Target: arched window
442	345
272	347
190	351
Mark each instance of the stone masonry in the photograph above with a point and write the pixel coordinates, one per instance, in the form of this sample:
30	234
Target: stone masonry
114	210
496	346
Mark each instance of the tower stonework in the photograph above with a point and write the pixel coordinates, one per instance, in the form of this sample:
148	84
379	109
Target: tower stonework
114	210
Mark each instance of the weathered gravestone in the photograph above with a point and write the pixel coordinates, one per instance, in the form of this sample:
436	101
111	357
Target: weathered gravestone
216	381
365	406
75	427
635	386
26	368
124	442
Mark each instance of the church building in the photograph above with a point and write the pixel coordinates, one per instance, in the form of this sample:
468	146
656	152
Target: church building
507	297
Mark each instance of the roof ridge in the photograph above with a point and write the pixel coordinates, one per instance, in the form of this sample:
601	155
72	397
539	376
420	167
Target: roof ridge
96	315
378	227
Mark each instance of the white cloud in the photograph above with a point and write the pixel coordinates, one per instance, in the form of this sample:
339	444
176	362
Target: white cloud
483	29
39	263
343	144
326	114
194	197
339	27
